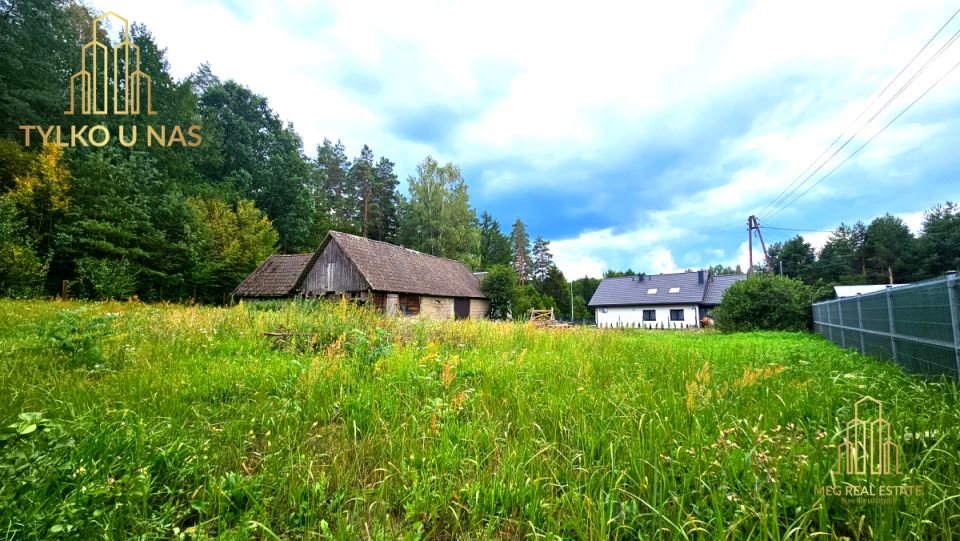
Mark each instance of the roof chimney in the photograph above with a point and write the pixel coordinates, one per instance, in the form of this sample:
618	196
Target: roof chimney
641	276
700	276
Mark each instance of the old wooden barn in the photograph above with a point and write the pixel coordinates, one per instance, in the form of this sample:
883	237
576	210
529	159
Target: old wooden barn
396	280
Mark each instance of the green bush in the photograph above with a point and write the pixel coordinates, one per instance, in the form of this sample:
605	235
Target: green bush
766	302
526	298
498	285
75	339
21	271
106	279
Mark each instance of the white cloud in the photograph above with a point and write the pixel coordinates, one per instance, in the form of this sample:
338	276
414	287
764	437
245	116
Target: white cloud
546	84
914	221
663	262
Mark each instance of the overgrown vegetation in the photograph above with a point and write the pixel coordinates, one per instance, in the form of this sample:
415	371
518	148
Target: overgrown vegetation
189	422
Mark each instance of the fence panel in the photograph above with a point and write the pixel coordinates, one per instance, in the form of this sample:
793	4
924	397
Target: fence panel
916	325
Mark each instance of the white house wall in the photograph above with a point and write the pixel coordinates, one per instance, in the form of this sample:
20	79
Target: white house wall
632	316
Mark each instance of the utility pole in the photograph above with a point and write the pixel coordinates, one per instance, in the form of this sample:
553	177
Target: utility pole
754	225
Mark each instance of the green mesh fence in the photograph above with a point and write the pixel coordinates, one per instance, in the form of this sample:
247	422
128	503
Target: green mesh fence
918	325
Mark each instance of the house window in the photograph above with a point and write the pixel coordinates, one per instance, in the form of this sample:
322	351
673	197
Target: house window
652	291
674	290
649	315
676	315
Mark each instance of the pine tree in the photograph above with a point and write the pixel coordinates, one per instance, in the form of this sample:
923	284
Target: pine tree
939	247
385	203
890	248
555	286
335	192
361	181
495	247
838	260
542	259
521	251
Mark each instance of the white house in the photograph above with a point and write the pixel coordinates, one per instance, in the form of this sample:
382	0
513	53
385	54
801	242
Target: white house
665	301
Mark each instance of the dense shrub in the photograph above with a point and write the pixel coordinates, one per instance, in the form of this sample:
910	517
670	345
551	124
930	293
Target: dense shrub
498	285
76	339
526	298
766	302
106	279
21	271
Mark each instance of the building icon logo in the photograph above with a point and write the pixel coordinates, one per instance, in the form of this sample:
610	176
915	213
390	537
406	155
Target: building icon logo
92	84
868	447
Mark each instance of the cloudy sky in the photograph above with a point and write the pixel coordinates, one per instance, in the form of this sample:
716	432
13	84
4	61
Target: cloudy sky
631	134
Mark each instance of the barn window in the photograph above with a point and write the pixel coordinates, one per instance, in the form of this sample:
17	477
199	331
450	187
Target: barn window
676	315
649	315
652	291
674	290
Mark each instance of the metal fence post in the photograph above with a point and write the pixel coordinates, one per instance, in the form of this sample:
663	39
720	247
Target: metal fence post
863	347
954	316
893	326
830	320
843	335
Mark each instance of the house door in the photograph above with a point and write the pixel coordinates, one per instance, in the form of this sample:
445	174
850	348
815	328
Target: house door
391	306
461	308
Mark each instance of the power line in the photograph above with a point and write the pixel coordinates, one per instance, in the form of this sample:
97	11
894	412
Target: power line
796	230
786	204
787	192
867	142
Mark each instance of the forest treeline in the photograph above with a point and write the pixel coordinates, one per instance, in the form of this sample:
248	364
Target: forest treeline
189	223
179	223
883	251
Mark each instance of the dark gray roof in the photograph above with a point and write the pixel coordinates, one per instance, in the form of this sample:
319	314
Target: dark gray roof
629	291
718	285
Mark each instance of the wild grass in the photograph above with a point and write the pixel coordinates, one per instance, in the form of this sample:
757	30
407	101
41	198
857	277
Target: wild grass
164	421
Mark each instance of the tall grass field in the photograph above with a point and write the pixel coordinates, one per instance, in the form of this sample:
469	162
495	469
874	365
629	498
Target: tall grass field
133	421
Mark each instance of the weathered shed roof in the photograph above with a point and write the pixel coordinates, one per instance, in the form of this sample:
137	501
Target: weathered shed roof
388	267
276	277
717	286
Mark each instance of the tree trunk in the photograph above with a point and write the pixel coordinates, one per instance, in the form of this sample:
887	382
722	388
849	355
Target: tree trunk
366	208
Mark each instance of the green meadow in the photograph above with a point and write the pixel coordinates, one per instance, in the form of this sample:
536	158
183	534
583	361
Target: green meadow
125	420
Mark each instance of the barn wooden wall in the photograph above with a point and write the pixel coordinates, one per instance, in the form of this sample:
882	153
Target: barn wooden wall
479	308
344	276
409	303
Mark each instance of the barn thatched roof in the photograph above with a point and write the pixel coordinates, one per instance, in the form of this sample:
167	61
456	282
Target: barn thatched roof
385	267
276	277
388	267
